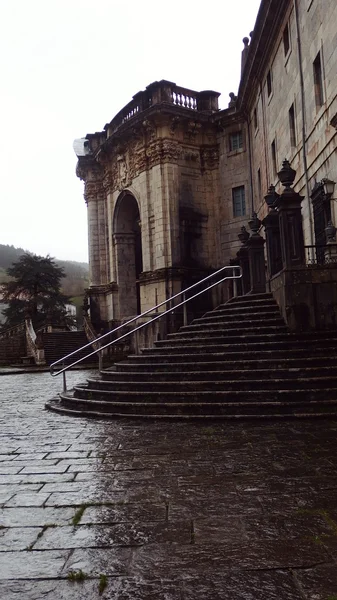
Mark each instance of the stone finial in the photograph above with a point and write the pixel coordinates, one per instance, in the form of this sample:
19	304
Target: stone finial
233	99
287	174
246	42
243	235
254	223
271	197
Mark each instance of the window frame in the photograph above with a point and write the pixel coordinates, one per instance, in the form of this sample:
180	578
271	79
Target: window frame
236	135
318	81
242	202
292	126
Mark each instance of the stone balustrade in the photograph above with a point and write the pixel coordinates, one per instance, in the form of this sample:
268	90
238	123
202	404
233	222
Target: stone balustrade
164	92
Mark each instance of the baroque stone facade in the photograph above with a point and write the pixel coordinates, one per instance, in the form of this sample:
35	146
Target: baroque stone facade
171	179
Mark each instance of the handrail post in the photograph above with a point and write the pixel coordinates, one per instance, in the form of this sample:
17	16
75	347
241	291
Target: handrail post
184	310
100	359
64	380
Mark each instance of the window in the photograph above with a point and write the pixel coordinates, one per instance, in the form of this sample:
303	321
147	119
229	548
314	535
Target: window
318	81
256	124
292	128
259	187
235	141
269	88
273	157
286	40
239	203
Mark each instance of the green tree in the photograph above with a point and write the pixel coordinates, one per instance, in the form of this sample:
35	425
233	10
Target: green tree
34	288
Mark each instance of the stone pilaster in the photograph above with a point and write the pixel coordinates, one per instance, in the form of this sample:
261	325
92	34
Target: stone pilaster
290	219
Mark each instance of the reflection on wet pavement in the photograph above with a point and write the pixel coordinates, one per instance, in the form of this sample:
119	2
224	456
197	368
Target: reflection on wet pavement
175	511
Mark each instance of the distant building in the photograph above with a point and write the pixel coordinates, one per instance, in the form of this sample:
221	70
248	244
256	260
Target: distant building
171	179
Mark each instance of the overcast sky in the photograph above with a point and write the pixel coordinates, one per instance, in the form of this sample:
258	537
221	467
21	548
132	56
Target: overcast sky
67	67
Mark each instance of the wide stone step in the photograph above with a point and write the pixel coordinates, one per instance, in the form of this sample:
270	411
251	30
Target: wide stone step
251	298
213	345
212	385
248	324
222	317
219	364
199	354
280	335
174	373
211	410
247	301
221	338
207	396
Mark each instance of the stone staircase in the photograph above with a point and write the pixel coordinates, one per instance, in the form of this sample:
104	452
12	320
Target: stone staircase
60	343
237	361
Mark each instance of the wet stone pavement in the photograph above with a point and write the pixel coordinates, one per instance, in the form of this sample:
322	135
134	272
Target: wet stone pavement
174	511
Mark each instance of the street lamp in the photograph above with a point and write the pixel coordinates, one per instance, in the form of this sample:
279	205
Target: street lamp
328	187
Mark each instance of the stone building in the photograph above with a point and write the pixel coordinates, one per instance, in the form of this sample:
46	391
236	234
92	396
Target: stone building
171	179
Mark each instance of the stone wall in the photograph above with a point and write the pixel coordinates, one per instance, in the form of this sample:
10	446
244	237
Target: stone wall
13	345
309	34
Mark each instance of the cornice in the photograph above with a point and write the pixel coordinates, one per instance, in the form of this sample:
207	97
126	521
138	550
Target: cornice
266	30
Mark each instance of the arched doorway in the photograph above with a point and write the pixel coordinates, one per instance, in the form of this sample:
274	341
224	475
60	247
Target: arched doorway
128	252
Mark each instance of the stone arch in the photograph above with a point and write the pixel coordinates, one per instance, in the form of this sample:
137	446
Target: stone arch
128	253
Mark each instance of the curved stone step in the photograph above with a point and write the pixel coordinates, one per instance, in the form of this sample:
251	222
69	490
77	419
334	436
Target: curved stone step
243	354
219	365
171	374
212	385
214	345
209	318
270	410
274	322
205	396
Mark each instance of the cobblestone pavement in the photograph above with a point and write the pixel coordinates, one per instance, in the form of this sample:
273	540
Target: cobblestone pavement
172	511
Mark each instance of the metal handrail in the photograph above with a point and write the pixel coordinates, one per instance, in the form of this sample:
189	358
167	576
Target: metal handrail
234	268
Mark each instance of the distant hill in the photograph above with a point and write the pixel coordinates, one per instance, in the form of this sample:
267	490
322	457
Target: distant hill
77	273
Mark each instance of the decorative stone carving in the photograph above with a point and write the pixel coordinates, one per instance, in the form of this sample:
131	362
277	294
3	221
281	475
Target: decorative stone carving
90	192
109	182
123	176
191	155
171	150
149	130
81	171
174	124
209	157
193	128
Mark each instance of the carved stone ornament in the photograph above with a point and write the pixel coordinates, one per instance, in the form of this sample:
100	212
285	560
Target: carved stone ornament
149	130
193	128
81	171
109	182
93	190
210	157
192	155
174	124
123	177
171	150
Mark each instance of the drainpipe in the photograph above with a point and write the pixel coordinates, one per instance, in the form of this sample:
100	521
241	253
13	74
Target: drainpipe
305	164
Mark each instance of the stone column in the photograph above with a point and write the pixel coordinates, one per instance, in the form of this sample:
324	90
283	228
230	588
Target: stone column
290	219
126	273
93	237
272	233
243	261
255	246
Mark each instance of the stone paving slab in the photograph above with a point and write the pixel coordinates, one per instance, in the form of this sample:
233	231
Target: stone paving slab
139	511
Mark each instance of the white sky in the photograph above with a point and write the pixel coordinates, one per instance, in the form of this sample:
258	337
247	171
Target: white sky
67	67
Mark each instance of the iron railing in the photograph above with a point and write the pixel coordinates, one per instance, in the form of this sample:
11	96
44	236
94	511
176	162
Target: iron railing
236	274
321	254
